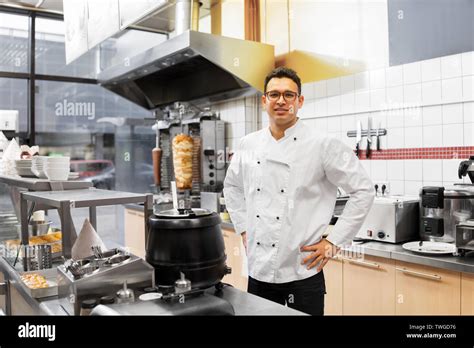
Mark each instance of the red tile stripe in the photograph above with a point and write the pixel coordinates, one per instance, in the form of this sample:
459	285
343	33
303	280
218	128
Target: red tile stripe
455	152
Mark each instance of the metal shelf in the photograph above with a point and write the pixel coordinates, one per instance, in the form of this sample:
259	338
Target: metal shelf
64	201
35	184
18	184
84	198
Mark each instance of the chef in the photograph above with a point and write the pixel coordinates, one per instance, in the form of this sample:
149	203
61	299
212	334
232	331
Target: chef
280	191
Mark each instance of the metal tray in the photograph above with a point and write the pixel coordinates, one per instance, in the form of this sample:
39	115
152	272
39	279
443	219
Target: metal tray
50	275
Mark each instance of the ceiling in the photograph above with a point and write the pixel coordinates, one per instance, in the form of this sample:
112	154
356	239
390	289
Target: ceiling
161	21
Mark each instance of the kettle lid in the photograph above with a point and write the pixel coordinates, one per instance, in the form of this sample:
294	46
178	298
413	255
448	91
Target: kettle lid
184	213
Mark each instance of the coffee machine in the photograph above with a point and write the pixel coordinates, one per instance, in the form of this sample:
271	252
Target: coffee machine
442	209
466	168
464	237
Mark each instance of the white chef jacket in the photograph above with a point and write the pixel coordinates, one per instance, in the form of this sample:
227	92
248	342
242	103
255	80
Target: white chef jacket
283	193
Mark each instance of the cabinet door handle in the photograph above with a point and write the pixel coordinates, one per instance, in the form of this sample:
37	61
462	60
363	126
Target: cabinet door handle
418	274
364	263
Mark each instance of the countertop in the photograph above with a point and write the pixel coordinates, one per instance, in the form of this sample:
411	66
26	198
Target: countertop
396	252
242	302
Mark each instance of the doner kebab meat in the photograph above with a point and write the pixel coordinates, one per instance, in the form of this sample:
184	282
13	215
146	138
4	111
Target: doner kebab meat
182	161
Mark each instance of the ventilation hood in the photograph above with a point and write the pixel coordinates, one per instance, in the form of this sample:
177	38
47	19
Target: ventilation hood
191	66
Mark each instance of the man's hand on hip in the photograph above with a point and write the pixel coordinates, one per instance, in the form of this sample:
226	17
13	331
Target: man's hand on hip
321	252
244	240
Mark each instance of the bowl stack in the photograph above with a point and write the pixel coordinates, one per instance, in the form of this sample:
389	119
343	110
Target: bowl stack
39	163
57	168
23	167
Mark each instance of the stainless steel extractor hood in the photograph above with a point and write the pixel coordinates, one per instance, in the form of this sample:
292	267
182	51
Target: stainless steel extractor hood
189	67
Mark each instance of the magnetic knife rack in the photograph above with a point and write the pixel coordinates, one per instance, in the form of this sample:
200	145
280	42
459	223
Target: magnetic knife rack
373	133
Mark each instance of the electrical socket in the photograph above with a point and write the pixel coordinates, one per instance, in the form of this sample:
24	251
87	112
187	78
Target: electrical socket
379	190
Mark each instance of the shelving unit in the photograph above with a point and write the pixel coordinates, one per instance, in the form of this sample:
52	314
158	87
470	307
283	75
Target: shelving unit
65	201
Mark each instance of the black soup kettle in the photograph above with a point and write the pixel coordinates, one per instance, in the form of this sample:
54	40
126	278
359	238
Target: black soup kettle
188	241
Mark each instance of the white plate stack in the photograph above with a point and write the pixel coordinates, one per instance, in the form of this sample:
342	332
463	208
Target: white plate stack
23	167
39	163
57	168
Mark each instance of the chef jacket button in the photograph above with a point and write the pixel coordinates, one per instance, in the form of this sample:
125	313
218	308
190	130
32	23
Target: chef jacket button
273	245
294	138
258	190
258	243
258	162
278	218
258	216
282	191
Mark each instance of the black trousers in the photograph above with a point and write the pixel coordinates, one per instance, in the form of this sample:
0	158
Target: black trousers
305	295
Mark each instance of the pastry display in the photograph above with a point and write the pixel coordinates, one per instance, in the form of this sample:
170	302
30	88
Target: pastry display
183	161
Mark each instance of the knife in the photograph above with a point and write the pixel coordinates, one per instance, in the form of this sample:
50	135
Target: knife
378	136
358	137
369	137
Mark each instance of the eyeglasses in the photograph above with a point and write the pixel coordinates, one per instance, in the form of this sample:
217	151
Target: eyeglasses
289	96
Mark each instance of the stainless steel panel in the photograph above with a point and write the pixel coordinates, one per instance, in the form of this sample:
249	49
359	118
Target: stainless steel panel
210	201
103	281
213	166
191	66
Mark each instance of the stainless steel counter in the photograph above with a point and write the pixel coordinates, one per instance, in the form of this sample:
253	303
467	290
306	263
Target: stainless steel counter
243	302
396	252
17	293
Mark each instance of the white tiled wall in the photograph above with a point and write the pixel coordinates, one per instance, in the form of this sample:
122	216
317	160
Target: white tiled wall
423	104
241	117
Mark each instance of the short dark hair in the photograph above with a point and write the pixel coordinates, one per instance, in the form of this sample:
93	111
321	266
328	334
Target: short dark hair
281	72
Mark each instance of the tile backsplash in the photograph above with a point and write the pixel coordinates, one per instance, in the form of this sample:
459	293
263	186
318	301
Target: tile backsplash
427	108
423	105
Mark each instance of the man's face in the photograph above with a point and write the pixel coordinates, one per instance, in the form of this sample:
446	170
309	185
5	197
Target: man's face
282	101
